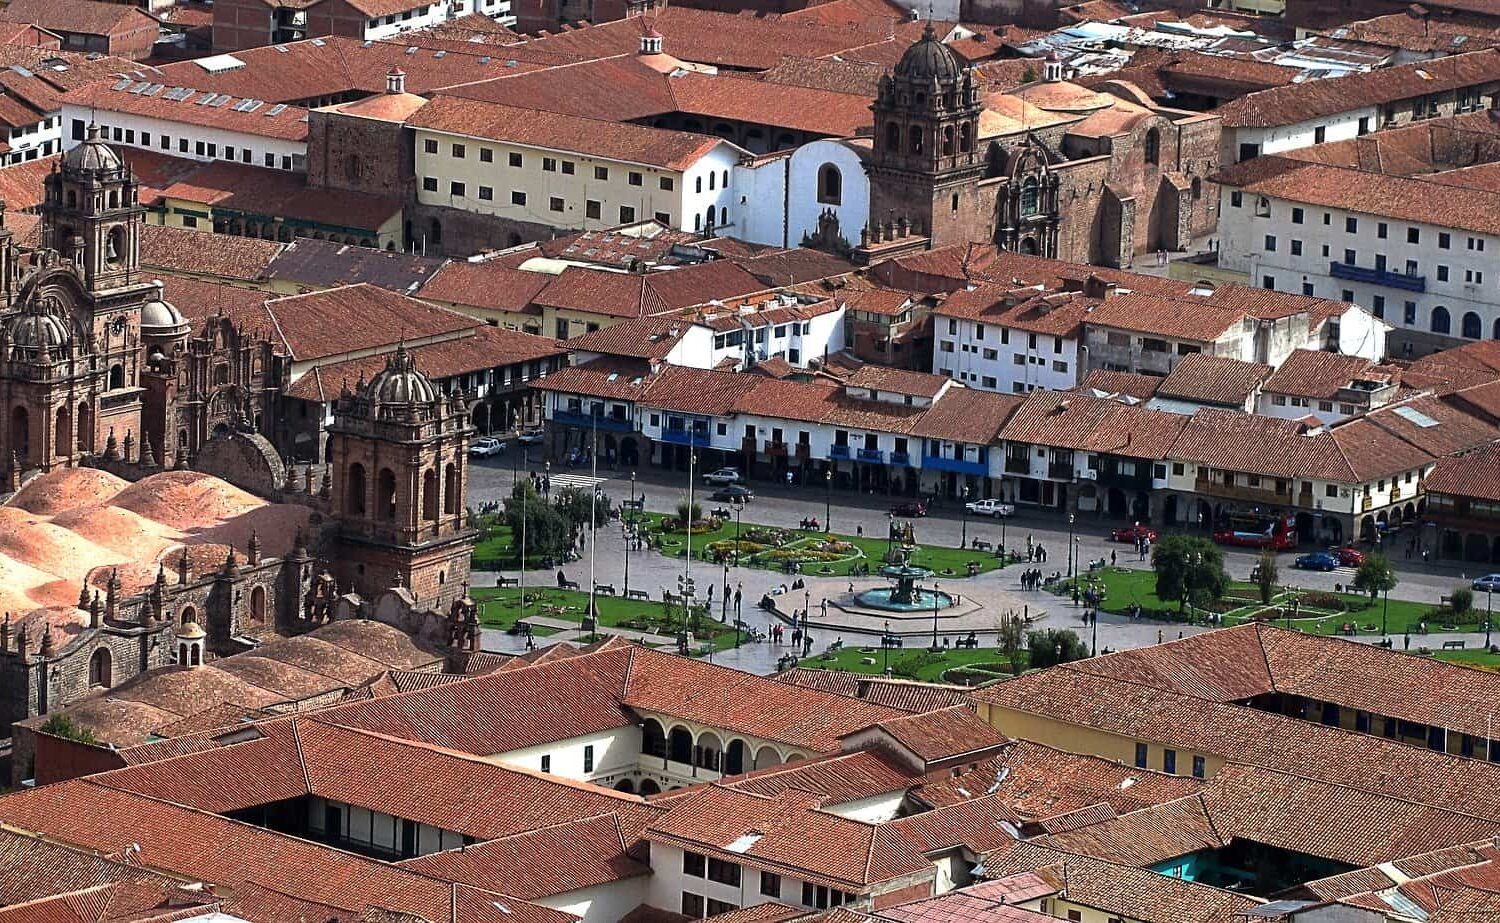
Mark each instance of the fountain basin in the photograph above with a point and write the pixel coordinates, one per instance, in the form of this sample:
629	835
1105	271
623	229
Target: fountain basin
904	599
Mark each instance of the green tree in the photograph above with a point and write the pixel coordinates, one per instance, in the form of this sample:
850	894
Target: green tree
687	515
573	504
1189	569
548	532
1052	646
63	726
1375	576
1028	74
1266	575
1461	600
1010	632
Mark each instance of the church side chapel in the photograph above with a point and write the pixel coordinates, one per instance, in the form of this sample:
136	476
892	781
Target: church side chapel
134	537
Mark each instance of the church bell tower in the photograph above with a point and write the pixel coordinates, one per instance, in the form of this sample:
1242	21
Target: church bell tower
400	479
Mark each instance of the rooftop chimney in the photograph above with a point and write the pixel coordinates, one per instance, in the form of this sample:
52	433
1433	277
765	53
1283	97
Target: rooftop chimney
395	81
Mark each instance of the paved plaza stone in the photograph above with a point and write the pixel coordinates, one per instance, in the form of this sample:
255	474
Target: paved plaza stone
990	595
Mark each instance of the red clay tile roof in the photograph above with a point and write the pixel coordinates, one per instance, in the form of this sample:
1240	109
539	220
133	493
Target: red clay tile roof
898	381
257	191
88	17
1082	422
787	833
659	147
637	294
817	111
190	252
1129	384
366	317
1475	475
1059	314
567	856
1161	315
840	778
1144	837
944	734
1207	379
1406	198
906	695
288	124
1316	373
1118	890
487	284
1312	99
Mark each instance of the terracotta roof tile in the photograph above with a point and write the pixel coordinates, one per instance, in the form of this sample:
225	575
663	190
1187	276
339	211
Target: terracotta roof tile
189	252
324	263
1316	373
257	191
1127	384
1145	837
659	147
1474	475
1208	379
88	17
906	695
1083	422
1311	99
808	109
487	285
199	108
944	734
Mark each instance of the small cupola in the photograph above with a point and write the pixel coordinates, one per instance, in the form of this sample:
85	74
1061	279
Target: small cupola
650	41
395	81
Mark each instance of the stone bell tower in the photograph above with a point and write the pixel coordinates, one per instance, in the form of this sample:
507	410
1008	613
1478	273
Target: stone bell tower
92	214
400	482
926	166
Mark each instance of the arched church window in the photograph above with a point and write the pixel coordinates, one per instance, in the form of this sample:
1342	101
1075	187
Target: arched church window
100	672
115	250
947	140
830	185
965	137
1029	196
1153	146
893	136
116	377
354	490
914	139
385	499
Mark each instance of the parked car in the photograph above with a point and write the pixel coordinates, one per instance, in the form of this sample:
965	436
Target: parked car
732	492
1133	534
530	437
990	507
485	446
909	508
1489	583
1348	556
723	476
1318	560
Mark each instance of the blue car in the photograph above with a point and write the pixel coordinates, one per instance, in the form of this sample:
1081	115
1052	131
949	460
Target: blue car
1318	560
1489	583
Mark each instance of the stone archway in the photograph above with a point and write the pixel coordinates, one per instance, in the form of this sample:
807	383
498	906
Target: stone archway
246	460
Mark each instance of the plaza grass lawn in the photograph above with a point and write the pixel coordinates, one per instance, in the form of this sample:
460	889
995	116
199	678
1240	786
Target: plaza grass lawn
499	549
945	563
1126	586
501	608
911	662
1479	659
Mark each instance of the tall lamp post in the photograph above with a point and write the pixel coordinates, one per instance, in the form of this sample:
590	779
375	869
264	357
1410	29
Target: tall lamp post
1489	612
593	526
635	521
935	597
687	561
885	646
963	541
1071	518
739	507
828	499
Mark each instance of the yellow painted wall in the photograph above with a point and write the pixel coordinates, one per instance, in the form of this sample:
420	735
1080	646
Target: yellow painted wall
1074	738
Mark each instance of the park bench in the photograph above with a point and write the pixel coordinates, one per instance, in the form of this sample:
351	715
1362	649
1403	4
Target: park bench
979	545
670	598
606	588
1445	601
1384	642
637	594
722	513
509	581
566	584
1453	645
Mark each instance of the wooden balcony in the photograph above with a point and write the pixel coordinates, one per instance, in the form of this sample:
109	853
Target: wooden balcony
1263	494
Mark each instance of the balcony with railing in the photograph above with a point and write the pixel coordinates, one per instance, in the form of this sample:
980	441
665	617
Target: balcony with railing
1018	464
838	451
901	458
588	421
1401	280
874	456
776	449
693	437
1265	493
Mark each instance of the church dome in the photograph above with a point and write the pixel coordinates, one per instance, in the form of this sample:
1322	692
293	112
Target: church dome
36	329
400	382
929	58
191	631
93	155
160	319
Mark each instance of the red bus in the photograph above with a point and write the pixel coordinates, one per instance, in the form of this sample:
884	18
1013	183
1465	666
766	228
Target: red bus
1279	533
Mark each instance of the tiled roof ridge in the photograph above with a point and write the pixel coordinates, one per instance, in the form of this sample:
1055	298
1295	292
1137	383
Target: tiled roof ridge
1260	645
296	727
1371	793
473	758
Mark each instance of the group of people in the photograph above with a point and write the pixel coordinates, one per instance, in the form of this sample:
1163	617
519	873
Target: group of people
1035	551
1032	578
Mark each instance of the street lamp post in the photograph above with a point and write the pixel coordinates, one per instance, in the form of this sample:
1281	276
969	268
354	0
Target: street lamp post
593	526
739	507
885	646
963	541
1071	518
1003	548
935	597
635	522
687	561
1094	618
1489	613
828	500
